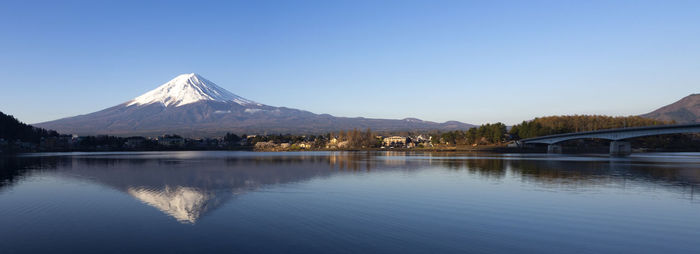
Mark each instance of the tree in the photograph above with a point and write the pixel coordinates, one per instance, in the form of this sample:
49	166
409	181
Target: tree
550	125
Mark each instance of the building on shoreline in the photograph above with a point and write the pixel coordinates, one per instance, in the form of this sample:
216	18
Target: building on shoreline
171	141
395	141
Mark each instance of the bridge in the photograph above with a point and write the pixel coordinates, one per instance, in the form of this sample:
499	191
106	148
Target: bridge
617	136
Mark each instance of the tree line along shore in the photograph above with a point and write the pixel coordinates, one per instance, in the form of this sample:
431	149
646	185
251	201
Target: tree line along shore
16	136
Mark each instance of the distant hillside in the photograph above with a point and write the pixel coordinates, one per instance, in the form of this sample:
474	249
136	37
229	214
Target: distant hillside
12	129
684	111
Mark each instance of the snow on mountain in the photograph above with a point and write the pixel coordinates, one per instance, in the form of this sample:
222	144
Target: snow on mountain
192	106
188	88
183	203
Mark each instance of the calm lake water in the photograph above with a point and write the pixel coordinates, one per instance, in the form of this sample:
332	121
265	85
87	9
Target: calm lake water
349	202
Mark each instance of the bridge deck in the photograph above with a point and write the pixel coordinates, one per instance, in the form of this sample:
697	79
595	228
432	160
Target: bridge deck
616	134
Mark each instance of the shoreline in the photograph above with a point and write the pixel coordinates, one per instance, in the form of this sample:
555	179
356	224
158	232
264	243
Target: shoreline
489	149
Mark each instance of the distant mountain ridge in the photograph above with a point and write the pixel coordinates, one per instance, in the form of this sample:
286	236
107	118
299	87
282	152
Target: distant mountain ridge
684	111
191	105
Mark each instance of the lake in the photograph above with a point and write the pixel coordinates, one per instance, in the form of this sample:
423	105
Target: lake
349	202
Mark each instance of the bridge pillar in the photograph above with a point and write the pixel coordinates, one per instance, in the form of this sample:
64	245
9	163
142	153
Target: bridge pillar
620	148
553	148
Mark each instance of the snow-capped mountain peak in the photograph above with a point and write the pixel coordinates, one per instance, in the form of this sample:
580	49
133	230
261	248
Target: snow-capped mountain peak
188	88
192	106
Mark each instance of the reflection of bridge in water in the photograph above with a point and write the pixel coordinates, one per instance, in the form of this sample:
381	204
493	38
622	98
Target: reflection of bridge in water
618	145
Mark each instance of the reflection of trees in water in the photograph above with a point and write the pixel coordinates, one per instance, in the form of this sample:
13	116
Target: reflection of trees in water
570	174
563	174
678	174
341	161
264	168
101	162
276	168
598	172
492	168
12	169
355	162
187	188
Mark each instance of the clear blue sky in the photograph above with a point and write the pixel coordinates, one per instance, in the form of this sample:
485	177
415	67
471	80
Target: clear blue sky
474	62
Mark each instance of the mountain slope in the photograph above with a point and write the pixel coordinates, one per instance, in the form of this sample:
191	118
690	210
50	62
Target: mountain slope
686	110
193	106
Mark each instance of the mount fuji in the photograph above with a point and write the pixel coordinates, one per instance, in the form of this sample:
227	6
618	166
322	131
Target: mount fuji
193	106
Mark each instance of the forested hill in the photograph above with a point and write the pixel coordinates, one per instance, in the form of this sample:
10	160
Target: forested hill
550	125
12	129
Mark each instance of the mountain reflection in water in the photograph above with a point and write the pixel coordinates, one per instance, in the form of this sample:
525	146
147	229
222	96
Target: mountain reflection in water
189	185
